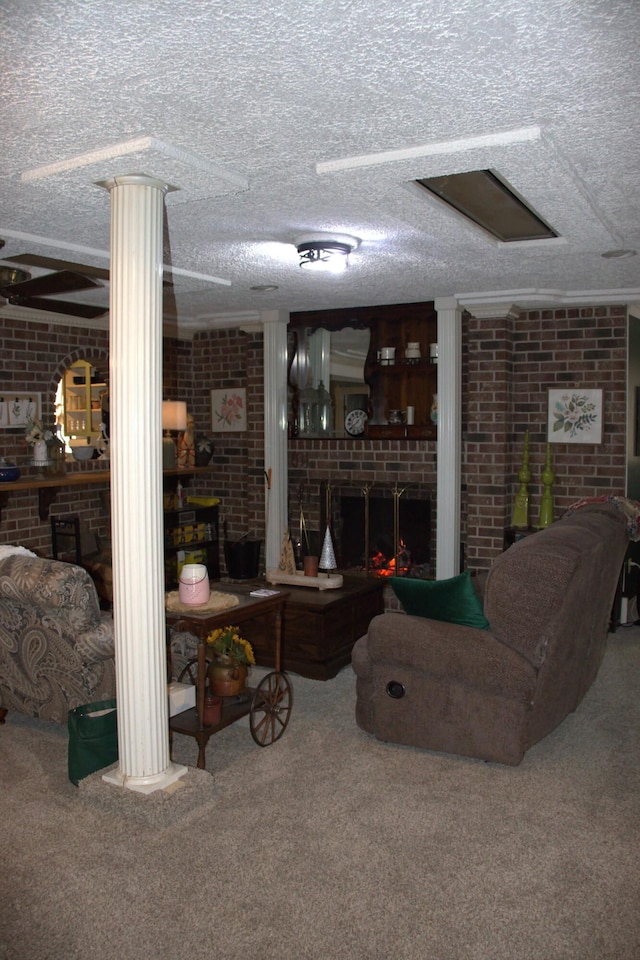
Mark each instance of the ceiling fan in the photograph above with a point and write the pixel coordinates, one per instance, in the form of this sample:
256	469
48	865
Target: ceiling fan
17	287
20	289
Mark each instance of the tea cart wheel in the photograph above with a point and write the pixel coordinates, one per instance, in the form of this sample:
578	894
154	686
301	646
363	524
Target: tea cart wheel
270	708
189	674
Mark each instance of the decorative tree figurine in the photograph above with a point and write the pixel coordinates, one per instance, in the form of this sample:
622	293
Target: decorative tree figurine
327	557
546	504
520	515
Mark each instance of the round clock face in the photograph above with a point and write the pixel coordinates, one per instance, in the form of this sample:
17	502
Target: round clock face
354	422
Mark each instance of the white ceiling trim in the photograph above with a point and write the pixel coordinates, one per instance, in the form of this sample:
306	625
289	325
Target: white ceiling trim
88	252
444	147
26	315
481	304
56	244
189	176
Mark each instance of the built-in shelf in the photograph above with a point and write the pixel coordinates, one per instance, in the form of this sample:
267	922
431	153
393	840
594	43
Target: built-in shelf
48	487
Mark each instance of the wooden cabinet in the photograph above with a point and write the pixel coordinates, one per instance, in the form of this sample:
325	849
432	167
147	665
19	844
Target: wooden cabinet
408	381
83	394
321	626
402	381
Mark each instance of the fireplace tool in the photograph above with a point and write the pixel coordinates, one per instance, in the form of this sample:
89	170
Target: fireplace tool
328	556
397	493
365	493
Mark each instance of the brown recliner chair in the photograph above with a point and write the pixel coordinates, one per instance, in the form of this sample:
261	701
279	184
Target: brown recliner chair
493	693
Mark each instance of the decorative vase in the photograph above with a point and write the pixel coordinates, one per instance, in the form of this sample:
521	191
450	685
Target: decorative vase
40	458
226	677
204	450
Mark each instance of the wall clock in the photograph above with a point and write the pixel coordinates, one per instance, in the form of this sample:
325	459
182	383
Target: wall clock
354	422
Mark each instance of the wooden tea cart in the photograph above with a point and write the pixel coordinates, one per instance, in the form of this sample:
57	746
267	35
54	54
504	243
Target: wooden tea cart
268	705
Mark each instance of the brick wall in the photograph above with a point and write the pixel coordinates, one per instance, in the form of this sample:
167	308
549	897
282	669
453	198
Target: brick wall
225	359
508	365
35	356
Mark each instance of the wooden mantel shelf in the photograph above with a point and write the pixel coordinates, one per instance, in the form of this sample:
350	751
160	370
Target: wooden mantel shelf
48	487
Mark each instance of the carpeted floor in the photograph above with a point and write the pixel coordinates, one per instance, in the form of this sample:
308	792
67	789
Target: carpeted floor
331	845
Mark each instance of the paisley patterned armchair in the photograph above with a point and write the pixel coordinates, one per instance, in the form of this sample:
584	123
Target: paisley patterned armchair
56	646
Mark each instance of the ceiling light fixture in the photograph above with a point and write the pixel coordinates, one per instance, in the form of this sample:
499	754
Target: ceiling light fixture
325	253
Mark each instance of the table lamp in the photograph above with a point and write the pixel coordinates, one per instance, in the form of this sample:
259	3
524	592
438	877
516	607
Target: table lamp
174	420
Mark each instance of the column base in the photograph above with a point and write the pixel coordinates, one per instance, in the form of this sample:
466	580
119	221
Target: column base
146	784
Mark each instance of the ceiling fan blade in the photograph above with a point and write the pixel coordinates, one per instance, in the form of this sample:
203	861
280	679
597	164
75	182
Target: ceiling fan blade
49	263
58	306
49	284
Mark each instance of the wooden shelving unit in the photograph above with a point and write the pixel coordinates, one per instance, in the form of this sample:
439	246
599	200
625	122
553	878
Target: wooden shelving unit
47	487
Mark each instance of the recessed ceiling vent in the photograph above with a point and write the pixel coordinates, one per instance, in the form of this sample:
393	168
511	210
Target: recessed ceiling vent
485	199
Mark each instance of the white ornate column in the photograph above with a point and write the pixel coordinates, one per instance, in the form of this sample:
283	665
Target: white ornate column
135	392
275	431
449	436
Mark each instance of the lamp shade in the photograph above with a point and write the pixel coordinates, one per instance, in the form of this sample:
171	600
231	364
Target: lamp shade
174	415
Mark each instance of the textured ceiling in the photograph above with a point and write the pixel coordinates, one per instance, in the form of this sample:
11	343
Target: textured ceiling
280	119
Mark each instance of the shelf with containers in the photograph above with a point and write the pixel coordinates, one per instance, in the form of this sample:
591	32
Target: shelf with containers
363	399
402	374
84	394
191	533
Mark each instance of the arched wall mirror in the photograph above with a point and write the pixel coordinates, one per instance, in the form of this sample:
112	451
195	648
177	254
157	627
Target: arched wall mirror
327	380
82	410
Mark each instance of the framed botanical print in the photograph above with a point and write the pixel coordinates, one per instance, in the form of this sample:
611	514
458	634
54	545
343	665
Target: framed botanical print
229	410
574	416
17	409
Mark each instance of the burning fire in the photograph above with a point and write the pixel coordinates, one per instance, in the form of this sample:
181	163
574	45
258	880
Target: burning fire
380	566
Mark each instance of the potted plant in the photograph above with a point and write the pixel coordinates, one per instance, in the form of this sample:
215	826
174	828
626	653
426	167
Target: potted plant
37	436
232	657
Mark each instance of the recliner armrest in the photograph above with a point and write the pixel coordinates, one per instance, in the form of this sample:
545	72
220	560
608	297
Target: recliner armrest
451	652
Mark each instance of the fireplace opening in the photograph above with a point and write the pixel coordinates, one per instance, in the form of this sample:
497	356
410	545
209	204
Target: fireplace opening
383	532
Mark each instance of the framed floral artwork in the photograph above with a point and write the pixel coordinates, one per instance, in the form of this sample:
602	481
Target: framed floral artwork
575	416
229	410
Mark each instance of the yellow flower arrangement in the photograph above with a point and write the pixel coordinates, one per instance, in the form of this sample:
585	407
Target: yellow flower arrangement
226	642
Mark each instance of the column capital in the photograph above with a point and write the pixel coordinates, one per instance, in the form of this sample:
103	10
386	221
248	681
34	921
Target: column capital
446	304
274	316
136	180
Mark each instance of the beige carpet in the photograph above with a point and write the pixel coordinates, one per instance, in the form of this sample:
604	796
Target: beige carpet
331	845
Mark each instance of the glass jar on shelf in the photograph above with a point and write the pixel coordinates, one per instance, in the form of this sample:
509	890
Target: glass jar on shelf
56	459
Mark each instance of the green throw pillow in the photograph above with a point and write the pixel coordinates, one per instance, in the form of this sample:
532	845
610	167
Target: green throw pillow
453	600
